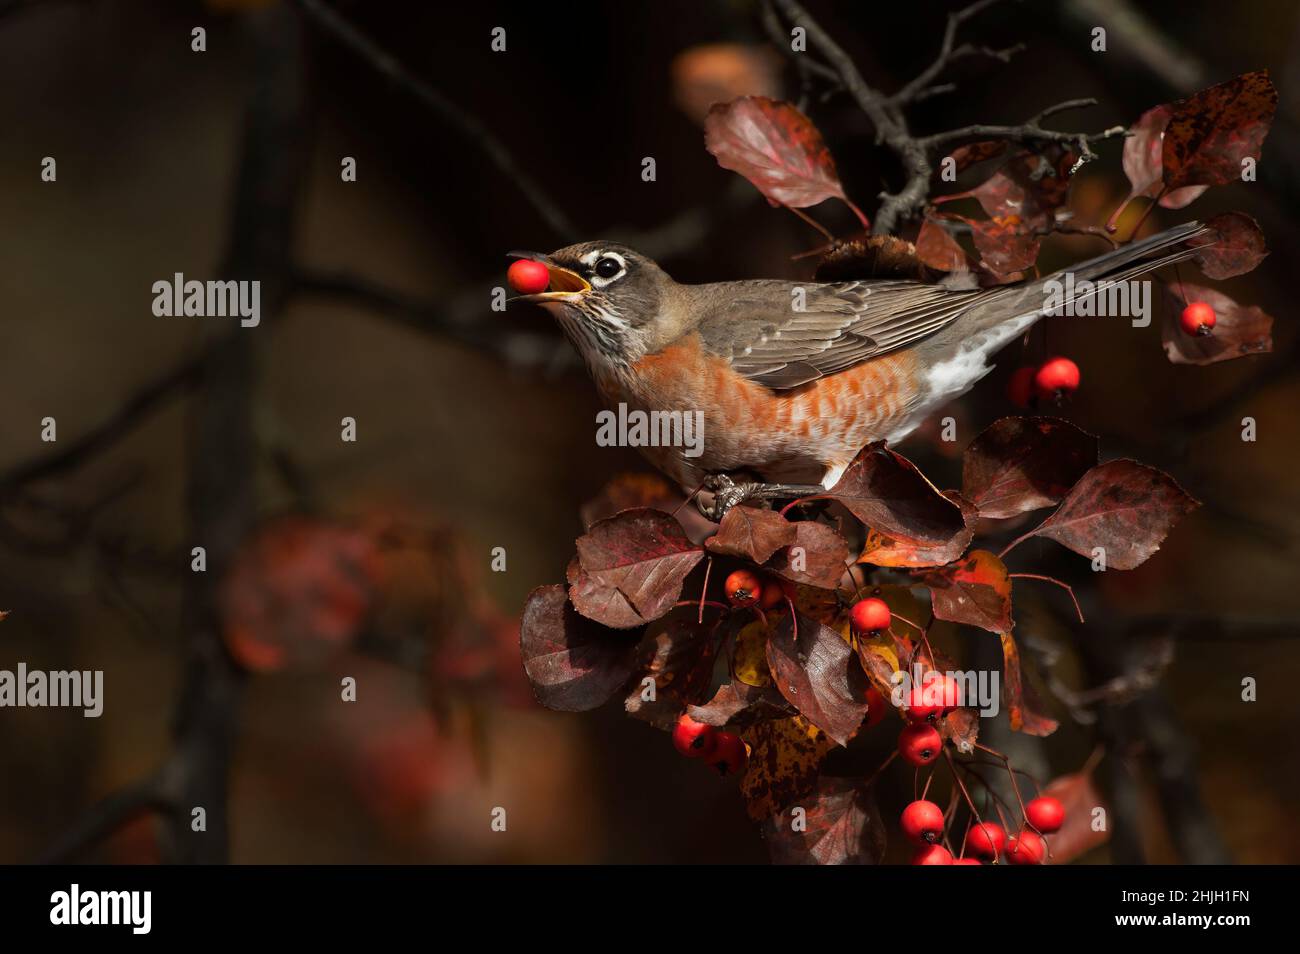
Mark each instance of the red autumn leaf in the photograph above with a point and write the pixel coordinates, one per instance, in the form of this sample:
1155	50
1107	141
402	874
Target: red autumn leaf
1211	132
1124	507
739	705
883	550
1024	711
1144	163
1019	464
966	156
839	825
631	568
572	663
751	533
637	490
679	658
961	727
1076	837
1239	330
775	147
1006	245
1029	188
819	556
891	496
818	673
936	248
1234	248
974	592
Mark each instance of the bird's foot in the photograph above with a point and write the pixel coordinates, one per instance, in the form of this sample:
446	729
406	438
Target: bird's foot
727	494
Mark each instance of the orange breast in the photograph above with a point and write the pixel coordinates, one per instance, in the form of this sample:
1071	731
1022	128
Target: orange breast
748	426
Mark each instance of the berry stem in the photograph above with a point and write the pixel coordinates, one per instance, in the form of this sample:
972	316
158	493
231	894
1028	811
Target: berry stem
1051	579
866	223
802	500
813	222
1154	202
708	568
1015	543
952	767
880	768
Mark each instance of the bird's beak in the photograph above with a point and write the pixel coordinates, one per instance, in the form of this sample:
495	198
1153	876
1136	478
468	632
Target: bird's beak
565	285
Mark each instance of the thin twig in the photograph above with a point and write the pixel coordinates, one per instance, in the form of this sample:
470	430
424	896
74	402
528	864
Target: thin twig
468	125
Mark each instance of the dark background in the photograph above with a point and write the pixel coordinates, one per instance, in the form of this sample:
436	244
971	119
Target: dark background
480	424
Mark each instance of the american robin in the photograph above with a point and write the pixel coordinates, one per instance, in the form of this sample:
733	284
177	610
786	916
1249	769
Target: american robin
793	379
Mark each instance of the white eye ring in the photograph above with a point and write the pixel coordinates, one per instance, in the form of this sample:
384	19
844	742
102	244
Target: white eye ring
594	260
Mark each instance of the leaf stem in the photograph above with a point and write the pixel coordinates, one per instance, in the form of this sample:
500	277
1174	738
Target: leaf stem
1051	579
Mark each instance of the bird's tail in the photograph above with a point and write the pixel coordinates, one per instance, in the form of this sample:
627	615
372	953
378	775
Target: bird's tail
1061	290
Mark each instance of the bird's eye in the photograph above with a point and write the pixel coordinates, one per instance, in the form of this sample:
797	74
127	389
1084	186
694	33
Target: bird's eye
608	267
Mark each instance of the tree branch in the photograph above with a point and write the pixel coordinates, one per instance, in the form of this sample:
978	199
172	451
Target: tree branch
384	63
917	154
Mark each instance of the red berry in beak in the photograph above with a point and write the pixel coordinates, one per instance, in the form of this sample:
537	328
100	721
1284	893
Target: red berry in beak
528	277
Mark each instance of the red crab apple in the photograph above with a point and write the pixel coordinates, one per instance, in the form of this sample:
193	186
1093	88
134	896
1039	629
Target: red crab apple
919	743
1045	813
528	277
870	616
693	739
1020	389
728	755
986	839
932	855
1056	377
1197	318
743	588
1025	848
922	822
876	707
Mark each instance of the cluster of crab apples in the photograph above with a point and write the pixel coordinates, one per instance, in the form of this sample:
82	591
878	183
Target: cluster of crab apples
923	825
920	743
723	751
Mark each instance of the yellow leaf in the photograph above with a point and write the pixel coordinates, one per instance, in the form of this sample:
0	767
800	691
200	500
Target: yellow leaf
784	763
749	661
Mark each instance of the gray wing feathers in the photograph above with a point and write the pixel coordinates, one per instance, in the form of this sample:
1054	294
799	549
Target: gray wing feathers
755	326
842	325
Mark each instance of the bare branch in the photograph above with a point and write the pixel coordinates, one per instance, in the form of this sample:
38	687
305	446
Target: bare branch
468	125
947	53
917	154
